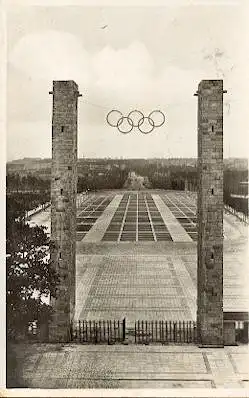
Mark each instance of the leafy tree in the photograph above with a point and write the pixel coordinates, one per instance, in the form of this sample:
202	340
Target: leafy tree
30	277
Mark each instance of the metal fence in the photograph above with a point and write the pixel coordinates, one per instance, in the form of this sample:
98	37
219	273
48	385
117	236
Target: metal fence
241	216
165	332
98	331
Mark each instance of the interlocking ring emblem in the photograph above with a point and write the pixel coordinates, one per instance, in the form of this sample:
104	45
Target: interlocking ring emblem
135	118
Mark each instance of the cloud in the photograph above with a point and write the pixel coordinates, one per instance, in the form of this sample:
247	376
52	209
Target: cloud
117	75
125	74
122	67
127	78
124	78
51	55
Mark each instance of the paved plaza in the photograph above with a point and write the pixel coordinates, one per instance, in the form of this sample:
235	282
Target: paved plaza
132	366
137	258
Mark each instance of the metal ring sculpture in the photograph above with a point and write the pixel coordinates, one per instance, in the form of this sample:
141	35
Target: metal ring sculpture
135	118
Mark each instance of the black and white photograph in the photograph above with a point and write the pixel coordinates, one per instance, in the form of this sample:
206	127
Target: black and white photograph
126	197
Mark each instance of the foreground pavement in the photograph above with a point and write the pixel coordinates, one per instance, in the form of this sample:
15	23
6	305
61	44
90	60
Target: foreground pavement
130	366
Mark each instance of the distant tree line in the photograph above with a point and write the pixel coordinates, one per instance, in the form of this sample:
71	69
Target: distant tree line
29	183
169	177
185	177
233	186
158	176
24	194
108	179
233	180
111	179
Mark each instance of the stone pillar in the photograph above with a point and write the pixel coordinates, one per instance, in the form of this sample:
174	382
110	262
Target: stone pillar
210	213
63	205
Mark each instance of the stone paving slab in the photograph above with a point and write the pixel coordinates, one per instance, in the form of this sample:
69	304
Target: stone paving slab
83	285
139	286
240	362
176	231
120	366
98	230
149	314
135	287
187	284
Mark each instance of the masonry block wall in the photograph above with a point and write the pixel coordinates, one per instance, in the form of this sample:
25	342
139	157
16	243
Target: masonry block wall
210	213
63	205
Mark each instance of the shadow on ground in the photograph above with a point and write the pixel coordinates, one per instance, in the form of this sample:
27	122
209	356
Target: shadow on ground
55	366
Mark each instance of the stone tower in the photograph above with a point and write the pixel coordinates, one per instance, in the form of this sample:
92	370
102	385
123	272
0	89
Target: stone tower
210	213
63	205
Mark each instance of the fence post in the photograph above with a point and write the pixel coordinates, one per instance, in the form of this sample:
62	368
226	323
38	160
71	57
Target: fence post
81	330
100	331
71	330
124	329
174	331
138	328
108	332
194	332
95	332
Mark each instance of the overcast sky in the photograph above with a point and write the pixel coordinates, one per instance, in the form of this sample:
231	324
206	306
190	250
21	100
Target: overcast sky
126	58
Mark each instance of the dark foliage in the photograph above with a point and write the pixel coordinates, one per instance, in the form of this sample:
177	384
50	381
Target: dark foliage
29	183
30	277
111	179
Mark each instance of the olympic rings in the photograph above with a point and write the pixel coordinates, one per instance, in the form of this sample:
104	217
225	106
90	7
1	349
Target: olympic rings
121	120
113	112
135	118
151	125
160	113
